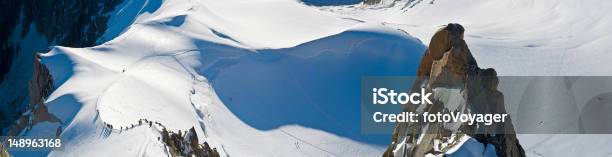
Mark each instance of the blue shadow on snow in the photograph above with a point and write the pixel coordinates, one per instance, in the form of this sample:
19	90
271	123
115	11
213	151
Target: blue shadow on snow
315	84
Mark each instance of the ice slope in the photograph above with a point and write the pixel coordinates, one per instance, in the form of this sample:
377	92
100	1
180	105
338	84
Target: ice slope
519	38
250	76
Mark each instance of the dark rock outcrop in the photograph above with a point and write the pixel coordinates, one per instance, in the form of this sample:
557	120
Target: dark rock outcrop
39	87
371	2
187	144
449	70
41	84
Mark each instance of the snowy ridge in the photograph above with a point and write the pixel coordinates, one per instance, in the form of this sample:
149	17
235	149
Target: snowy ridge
162	67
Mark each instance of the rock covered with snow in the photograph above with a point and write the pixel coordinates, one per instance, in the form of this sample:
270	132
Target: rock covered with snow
449	70
186	144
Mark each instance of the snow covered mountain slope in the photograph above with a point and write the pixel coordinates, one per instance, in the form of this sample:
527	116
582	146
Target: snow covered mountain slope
270	60
511	36
276	77
517	38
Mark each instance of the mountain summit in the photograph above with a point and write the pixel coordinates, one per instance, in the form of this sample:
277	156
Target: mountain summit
449	70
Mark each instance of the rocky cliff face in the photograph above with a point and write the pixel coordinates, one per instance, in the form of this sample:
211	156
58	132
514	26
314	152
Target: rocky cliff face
451	73
39	87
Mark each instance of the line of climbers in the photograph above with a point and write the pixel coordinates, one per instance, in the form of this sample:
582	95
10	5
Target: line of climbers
183	143
140	123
